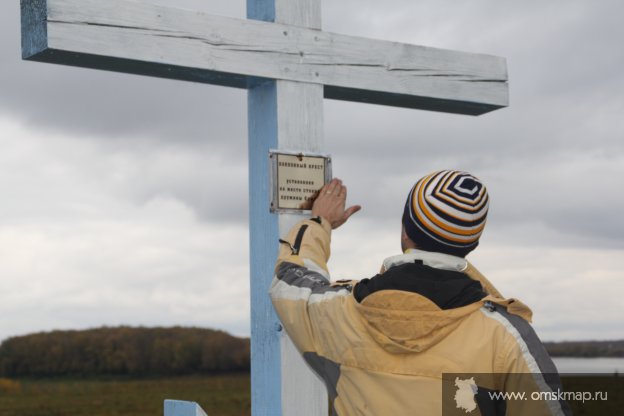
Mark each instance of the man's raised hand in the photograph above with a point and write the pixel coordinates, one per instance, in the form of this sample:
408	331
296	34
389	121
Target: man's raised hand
330	204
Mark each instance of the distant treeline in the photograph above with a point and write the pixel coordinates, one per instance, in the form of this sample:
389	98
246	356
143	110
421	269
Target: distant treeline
586	348
123	351
131	351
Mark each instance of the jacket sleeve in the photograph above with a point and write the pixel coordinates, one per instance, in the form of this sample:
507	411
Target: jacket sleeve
302	279
529	370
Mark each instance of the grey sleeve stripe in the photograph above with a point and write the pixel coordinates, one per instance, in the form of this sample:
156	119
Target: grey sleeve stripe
328	370
302	277
295	275
538	352
536	348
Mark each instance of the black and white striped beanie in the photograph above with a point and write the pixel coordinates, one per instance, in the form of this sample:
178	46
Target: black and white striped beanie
446	211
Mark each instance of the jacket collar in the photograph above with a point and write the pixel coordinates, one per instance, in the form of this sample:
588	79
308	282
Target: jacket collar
429	258
448	262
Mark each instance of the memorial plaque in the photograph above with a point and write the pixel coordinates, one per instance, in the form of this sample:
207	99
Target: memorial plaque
296	179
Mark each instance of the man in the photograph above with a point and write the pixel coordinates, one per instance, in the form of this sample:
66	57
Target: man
383	344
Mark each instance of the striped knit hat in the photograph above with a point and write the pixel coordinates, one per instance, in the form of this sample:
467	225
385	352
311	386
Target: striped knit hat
445	212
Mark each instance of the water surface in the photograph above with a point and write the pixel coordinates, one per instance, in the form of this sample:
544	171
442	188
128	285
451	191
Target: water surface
598	365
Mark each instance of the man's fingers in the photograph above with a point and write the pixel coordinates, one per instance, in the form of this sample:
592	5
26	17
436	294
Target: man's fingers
330	203
324	189
323	192
334	187
343	192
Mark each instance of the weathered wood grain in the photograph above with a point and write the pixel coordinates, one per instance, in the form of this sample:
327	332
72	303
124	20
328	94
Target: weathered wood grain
283	115
136	37
300	127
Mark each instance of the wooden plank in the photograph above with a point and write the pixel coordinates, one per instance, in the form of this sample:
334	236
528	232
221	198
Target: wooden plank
182	408
300	13
135	37
263	236
285	115
300	127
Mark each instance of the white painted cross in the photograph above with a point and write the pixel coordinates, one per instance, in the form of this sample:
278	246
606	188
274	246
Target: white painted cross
288	65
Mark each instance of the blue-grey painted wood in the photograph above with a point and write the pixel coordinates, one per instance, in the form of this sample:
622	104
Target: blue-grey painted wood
263	232
261	10
34	16
182	408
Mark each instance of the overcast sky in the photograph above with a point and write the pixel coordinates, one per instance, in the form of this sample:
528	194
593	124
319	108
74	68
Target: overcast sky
124	198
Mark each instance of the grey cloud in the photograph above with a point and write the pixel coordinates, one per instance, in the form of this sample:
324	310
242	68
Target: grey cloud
105	104
561	137
131	116
171	110
77	177
137	145
569	191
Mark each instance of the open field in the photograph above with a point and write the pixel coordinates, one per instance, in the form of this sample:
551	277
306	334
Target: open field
219	395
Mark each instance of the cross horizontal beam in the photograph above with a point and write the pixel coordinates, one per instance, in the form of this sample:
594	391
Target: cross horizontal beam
142	38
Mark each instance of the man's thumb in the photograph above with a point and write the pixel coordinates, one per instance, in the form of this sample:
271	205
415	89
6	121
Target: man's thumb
352	210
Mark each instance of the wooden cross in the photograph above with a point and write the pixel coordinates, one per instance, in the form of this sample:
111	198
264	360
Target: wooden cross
288	65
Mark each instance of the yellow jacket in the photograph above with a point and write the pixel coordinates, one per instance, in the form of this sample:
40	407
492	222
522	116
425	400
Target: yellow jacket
393	352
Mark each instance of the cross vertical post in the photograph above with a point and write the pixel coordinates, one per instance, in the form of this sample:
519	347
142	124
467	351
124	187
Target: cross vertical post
283	115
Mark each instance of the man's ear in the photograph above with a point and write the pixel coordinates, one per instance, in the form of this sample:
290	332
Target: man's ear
406	242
